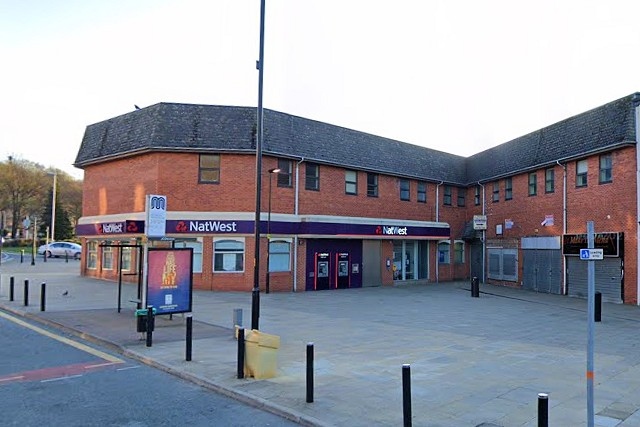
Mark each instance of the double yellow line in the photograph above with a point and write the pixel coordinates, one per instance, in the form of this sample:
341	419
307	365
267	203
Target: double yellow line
79	346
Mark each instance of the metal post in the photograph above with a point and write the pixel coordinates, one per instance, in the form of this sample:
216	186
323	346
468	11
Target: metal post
11	284
543	410
240	353
406	394
475	288
598	307
255	295
591	275
26	292
309	372
119	279
21	256
189	336
149	325
43	288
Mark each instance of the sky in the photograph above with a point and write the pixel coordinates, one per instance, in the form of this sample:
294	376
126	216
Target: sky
458	76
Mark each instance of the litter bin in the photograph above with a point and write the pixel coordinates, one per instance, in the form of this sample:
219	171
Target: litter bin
261	354
141	320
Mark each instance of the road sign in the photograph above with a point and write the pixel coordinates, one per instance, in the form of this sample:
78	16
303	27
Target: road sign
591	254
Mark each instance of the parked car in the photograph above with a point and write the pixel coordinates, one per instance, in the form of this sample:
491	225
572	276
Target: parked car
61	249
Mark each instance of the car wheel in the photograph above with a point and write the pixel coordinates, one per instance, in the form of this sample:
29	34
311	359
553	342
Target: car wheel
48	253
76	255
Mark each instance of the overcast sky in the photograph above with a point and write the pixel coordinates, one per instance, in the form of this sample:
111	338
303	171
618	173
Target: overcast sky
457	76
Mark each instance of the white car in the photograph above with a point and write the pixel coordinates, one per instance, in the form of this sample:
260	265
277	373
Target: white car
61	249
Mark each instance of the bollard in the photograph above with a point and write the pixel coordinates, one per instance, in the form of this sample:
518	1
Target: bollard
66	257
475	287
33	258
44	256
149	325
26	292
189	336
240	353
309	372
21	256
406	394
597	313
237	317
43	289
543	410
11	283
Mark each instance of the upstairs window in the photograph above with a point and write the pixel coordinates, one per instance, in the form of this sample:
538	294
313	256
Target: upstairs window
606	167
476	196
549	180
372	184
405	189
351	182
284	176
312	177
495	198
447	196
508	188
422	192
209	169
533	184
581	173
462	195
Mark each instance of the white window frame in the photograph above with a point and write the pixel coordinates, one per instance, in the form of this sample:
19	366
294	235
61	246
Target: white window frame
230	252
92	255
107	253
444	256
458	244
275	256
196	245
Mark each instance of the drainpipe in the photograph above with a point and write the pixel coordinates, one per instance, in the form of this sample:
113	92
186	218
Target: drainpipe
564	223
636	103
484	232
295	237
438	220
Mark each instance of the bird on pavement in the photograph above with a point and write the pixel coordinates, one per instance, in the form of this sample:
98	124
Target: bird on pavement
65	293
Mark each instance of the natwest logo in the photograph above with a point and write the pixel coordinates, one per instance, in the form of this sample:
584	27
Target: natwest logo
394	231
111	228
212	226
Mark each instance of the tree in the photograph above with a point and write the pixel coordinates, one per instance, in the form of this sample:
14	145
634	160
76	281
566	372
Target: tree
63	229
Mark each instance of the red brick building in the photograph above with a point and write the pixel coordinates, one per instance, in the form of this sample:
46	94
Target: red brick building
350	209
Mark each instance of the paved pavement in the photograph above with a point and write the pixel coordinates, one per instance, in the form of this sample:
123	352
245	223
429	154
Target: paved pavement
474	361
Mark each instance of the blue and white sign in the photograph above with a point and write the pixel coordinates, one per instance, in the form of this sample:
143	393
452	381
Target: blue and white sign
591	254
156	216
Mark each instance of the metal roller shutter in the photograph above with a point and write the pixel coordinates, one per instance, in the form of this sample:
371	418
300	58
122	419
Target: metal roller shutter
608	278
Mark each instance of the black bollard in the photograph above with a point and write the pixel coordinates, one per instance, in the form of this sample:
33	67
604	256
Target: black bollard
149	325
240	353
189	336
543	410
43	289
309	372
44	256
406	394
33	258
475	287
11	284
26	292
21	256
597	312
66	257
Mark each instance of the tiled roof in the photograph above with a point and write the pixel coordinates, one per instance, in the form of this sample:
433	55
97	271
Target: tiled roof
210	128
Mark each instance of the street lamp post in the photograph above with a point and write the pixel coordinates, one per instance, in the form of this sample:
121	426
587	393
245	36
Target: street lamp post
53	207
267	282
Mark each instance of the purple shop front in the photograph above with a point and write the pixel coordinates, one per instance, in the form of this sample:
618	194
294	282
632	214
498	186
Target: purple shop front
333	264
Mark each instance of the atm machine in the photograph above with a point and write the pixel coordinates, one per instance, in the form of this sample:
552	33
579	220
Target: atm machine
343	278
322	278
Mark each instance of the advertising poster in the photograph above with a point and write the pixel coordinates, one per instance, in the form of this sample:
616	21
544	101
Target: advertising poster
169	280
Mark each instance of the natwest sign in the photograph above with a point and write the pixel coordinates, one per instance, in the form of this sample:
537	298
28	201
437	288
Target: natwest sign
391	230
111	228
204	226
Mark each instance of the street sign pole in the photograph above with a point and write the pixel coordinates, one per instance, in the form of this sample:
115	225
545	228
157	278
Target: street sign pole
591	273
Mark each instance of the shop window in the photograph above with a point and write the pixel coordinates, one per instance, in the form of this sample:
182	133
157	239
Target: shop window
228	255
284	176
279	255
495	198
126	258
476	195
372	184
462	196
549	180
351	182
405	189
447	195
209	170
581	173
508	188
422	192
458	252
444	252
312	177
196	245
107	258
92	255
533	184
503	264
606	167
